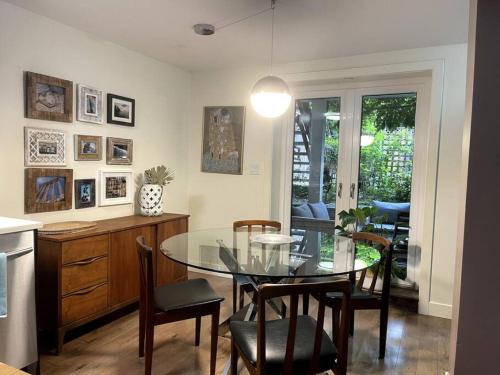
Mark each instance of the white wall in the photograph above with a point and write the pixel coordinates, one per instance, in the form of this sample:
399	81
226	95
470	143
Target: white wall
169	104
217	200
29	42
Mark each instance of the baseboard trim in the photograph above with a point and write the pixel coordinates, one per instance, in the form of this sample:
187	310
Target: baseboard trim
440	310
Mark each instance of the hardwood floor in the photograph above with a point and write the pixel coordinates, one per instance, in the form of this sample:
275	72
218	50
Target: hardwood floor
416	344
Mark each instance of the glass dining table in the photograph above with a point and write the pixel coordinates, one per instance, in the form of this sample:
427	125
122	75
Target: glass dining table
289	255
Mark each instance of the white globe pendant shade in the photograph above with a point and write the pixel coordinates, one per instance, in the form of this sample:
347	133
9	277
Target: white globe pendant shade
270	97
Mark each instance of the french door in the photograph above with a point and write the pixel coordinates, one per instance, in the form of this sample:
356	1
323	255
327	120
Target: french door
361	147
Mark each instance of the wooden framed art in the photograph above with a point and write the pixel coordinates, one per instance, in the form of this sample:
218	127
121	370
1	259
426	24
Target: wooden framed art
119	151
44	147
47	189
222	146
115	187
84	193
88	147
89	104
121	110
48	98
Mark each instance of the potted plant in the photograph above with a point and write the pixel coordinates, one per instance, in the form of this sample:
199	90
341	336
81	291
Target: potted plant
365	219
150	196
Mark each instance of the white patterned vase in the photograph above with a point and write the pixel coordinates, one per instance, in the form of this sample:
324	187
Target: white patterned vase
151	200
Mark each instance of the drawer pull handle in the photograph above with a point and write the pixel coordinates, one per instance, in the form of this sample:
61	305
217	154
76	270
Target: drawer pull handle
85	291
84	262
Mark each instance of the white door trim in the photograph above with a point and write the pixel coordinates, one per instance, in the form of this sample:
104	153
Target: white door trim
318	81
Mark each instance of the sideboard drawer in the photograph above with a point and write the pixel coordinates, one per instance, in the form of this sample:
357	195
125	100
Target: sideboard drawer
84	248
84	303
84	273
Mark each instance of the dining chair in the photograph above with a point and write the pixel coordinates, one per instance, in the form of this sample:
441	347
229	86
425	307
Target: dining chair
171	303
366	298
295	345
244	282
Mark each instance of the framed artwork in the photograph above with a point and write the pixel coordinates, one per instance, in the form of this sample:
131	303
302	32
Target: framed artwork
115	187
47	189
121	110
89	104
222	147
119	151
44	147
84	193
48	98
88	147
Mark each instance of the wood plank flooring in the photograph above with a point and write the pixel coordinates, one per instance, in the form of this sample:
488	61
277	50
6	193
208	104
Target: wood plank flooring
416	345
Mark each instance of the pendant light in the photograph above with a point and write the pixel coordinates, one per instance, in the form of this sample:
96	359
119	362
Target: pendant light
270	95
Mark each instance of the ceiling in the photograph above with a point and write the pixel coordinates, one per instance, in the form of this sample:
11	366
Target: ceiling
305	29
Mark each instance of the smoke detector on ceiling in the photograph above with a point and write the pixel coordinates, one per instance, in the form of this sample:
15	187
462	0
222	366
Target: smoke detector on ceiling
204	29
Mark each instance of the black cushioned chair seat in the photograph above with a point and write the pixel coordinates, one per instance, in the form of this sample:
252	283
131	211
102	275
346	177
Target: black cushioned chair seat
184	294
356	293
245	336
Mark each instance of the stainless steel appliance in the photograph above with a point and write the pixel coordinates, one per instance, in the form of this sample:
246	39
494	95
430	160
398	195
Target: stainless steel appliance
18	332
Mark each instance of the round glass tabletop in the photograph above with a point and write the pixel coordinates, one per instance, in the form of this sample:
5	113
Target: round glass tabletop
281	254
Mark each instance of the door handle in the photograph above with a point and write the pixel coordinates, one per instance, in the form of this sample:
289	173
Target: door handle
18	253
353	189
339	193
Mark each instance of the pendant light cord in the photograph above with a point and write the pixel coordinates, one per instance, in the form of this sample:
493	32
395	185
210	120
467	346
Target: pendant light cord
247	17
273	4
271	8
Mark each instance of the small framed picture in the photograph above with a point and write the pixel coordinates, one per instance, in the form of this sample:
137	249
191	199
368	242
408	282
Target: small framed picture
121	110
44	147
84	193
119	151
89	107
88	147
48	98
115	187
47	189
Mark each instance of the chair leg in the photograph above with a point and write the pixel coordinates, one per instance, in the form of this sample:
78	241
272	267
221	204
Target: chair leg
235	289
234	358
384	317
214	338
142	331
197	331
335	324
149	346
351	324
305	304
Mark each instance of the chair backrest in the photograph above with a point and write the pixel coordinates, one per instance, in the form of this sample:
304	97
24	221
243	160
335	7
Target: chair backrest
384	246
249	224
270	291
146	287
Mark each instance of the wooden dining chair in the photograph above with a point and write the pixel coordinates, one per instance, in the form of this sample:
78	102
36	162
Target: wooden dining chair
171	303
244	282
365	297
298	345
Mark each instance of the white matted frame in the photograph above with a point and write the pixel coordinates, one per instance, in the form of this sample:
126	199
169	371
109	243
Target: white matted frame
115	187
44	147
89	104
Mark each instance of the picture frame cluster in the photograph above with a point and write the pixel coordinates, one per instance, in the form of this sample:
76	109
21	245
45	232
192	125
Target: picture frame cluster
48	185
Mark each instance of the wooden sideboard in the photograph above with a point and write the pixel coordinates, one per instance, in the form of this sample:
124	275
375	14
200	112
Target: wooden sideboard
84	275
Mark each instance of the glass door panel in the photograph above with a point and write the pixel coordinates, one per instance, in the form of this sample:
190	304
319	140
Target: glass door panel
386	150
315	166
